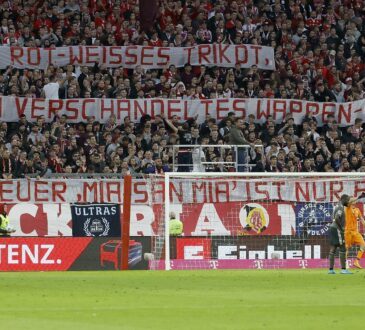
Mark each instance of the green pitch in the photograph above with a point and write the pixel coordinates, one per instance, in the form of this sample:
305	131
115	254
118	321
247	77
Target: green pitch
251	299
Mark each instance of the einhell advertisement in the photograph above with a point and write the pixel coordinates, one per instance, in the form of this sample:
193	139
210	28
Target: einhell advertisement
67	253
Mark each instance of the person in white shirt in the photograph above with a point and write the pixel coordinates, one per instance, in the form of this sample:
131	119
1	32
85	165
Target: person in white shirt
51	90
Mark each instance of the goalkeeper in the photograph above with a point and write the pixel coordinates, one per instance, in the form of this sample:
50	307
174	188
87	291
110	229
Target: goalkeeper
176	226
336	235
352	235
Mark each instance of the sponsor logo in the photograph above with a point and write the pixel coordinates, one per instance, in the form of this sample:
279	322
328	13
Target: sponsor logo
313	219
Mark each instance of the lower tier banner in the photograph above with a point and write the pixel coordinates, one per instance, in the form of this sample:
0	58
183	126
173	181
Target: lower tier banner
199	219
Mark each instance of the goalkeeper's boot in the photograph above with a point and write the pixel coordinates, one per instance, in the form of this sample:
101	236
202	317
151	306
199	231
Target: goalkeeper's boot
357	264
345	271
331	272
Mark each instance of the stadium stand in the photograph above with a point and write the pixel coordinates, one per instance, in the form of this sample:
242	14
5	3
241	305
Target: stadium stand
319	54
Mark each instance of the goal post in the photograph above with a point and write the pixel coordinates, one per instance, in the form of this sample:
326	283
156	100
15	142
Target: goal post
248	220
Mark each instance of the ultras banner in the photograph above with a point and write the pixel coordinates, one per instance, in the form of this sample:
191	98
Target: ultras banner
96	220
145	192
147	57
80	109
203	219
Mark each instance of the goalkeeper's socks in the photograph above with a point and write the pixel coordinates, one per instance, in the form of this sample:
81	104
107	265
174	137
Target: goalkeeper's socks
359	255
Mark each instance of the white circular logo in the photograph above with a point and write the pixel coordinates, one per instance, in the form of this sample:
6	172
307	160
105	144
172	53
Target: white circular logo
254	217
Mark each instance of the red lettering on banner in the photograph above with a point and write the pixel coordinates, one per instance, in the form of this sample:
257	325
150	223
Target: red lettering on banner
328	109
259	191
139	109
120	109
174	193
206	103
312	108
58	190
139	188
38	185
344	114
115	56
248	190
147	52
16	53
89	188
336	189
91	56
221	52
316	186
203	53
113	189
186	109
76	58
237	108
256	49
37	104
53	107
188	49
33	60
171	111
279	107
222	188
262	113
222	106
104	108
162	55
300	193
359	187
101	191
295	106
84	103
279	184
131	56
157	107
238	55
3	190
199	190
104	56
20	188
20	108
159	192
74	110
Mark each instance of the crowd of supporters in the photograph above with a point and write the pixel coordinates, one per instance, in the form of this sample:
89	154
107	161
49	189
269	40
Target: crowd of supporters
319	54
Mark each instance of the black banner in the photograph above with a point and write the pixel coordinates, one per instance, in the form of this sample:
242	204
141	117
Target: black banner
96	220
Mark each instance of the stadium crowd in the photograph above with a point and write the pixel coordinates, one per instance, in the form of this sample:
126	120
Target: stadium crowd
319	53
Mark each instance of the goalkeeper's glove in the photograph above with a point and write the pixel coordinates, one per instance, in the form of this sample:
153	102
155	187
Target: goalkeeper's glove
362	195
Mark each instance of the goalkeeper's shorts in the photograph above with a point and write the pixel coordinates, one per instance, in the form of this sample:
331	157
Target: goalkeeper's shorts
353	238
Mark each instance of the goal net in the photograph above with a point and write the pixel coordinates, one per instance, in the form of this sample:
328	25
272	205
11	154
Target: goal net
248	220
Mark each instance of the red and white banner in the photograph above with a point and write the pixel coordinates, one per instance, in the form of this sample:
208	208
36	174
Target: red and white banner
79	109
202	219
182	191
146	56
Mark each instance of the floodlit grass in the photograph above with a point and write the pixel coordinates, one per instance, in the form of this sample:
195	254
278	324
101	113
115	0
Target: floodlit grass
250	299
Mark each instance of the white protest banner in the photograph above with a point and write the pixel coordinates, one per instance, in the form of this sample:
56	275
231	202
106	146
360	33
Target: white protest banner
199	191
146	56
11	108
